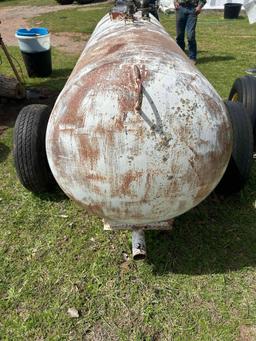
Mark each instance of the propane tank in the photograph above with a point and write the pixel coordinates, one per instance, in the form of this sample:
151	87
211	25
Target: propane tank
138	135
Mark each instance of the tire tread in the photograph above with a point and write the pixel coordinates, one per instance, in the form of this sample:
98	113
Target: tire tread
29	149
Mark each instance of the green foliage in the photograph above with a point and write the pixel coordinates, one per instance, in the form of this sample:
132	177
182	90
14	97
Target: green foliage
198	282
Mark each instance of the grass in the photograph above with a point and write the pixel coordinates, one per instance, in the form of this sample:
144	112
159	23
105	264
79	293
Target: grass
73	20
226	48
62	66
198	282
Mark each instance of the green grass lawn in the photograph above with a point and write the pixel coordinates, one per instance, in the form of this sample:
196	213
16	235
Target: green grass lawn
199	281
77	20
62	66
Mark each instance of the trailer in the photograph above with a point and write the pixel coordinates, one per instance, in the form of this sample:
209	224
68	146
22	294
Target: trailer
138	135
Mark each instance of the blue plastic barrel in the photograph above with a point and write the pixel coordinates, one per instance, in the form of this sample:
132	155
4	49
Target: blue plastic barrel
35	47
36	31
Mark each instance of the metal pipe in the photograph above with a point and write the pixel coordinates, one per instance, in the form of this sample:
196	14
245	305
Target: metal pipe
138	244
10	61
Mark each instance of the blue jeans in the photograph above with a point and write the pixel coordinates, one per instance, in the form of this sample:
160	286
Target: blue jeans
186	19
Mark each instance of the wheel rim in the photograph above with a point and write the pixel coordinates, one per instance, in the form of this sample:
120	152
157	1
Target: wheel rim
235	97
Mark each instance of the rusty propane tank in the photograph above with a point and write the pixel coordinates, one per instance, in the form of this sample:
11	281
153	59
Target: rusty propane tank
137	135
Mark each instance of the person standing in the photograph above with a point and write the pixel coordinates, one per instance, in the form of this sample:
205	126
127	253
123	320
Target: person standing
186	19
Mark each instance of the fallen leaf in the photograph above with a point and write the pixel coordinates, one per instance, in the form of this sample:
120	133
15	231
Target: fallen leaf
73	312
125	256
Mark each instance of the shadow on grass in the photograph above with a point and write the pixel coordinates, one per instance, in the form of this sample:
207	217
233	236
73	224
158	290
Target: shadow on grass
241	17
215	237
214	59
58	76
11	108
61	73
57	195
4	152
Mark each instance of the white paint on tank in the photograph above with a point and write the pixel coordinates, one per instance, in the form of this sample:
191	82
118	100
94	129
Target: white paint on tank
137	167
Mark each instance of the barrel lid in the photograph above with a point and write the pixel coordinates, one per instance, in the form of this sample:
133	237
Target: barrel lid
35	31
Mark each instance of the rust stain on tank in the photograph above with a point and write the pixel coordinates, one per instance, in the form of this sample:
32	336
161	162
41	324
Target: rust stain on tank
88	150
96	209
125	211
95	177
172	188
105	132
71	114
119	122
127	179
211	104
147	187
127	81
143	39
123	187
115	48
96	189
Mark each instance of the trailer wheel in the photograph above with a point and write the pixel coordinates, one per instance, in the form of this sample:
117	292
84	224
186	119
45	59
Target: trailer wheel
244	90
65	2
29	149
240	164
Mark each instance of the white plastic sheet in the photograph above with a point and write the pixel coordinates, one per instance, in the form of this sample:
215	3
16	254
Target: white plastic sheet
167	5
250	9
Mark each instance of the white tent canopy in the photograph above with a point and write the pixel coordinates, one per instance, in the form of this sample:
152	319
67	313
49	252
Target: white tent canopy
248	5
210	4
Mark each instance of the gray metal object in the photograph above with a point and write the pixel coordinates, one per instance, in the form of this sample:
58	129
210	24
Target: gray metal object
158	225
138	244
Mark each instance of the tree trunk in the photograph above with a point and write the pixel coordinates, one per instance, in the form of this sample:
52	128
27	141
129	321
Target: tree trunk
11	88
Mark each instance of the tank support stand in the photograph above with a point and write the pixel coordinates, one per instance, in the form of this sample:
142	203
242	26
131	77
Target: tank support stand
138	234
138	244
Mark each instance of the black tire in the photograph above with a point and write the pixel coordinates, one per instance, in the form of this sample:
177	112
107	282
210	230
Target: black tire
244	91
65	2
240	164
84	2
29	149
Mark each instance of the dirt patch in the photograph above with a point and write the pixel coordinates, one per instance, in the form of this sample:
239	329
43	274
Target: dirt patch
247	333
69	42
66	42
